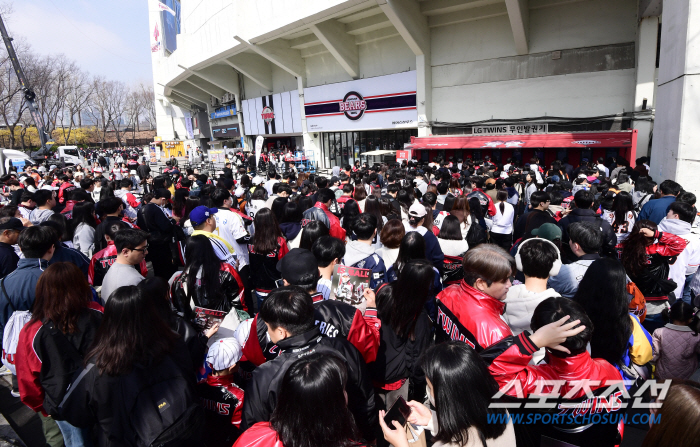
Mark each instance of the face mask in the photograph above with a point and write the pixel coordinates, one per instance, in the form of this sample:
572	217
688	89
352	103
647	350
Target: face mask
430	396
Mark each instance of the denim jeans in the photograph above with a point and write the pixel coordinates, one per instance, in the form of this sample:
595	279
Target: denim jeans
74	436
686	290
258	300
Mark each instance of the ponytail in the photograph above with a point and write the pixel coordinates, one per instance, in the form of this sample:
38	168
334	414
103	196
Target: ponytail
502	206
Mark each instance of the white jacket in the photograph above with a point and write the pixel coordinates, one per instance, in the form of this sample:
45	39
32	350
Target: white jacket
521	304
503	222
688	260
453	248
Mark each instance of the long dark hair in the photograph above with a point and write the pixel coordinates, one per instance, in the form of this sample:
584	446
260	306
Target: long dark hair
267	232
401	308
156	290
84	212
350	212
200	255
312	231
191	203
405	200
313	382
462	388
451	229
634	248
412	247
62	293
502	196
622	204
603	295
180	201
131	332
374	207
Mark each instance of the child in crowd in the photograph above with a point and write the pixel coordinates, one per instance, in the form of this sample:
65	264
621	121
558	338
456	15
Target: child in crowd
221	398
677	344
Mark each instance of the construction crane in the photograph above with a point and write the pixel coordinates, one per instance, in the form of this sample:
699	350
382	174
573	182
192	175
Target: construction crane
29	95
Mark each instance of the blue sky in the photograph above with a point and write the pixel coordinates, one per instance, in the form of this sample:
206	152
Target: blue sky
109	38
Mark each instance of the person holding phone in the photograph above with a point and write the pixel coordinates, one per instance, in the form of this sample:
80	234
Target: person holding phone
460	388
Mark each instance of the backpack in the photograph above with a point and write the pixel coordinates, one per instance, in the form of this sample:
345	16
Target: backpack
10	337
162	406
638	304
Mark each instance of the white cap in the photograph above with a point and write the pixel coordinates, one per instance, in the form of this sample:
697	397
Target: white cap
257	180
49	187
417	210
224	353
243	331
42	168
239	192
52	167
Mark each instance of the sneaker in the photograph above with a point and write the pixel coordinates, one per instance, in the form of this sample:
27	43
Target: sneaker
14	393
4	371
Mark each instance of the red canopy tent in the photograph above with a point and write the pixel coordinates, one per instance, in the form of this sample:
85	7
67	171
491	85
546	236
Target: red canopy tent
626	141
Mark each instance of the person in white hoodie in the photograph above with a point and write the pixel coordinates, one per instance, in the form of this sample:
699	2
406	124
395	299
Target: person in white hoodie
679	221
538	259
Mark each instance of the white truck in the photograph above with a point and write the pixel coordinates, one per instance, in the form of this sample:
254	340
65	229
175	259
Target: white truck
69	154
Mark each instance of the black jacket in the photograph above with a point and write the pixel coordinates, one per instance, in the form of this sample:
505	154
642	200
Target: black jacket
152	219
580	215
8	259
398	357
106	401
261	392
529	221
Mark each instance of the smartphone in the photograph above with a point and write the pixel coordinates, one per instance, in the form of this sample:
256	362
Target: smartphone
398	412
279	283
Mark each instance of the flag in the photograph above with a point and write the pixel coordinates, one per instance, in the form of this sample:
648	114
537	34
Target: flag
164	7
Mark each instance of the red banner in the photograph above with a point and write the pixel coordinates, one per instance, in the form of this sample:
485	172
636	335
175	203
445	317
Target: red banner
575	139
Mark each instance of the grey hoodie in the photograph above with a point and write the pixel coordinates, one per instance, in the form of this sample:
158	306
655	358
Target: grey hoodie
38	216
356	251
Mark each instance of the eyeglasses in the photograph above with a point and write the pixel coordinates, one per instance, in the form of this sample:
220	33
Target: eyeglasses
144	249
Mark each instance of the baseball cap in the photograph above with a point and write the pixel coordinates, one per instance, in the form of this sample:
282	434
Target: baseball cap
12	224
200	214
224	353
296	264
52	167
547	231
257	180
416	210
50	188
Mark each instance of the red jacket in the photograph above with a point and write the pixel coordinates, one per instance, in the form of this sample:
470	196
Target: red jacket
492	207
38	365
513	364
103	260
66	186
321	212
471	316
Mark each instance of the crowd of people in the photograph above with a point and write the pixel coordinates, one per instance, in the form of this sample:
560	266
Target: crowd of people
188	308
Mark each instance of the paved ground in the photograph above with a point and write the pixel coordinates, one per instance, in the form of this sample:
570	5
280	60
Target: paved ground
18	423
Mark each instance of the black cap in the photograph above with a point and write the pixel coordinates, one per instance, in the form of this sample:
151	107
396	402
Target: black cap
12	224
296	264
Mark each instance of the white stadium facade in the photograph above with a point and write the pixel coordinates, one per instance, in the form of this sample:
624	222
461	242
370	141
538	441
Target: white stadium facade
450	78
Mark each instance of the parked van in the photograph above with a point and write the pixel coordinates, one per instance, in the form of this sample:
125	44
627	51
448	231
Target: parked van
69	154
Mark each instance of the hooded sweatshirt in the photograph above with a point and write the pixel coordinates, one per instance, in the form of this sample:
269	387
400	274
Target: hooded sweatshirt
38	216
291	232
360	255
689	259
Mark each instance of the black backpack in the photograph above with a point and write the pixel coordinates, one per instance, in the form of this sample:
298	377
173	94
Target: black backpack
162	407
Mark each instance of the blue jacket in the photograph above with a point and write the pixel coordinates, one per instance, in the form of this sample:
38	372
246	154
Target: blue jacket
67	254
361	255
20	286
655	210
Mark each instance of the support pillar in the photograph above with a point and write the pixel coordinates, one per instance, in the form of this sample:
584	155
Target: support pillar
646	79
676	132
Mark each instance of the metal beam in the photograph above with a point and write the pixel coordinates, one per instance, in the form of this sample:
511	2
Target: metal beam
518	14
468	15
406	17
437	7
192	96
342	46
254	67
180	97
280	54
194	82
221	76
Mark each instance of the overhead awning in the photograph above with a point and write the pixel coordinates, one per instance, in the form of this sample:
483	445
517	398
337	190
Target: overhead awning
569	139
378	152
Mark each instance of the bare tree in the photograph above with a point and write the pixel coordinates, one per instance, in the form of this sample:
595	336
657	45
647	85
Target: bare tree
99	108
79	89
117	102
148	105
133	111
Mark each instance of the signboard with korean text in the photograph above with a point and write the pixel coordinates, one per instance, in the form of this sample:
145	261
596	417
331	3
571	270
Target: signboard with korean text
511	129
